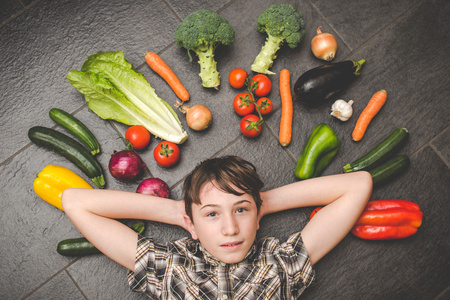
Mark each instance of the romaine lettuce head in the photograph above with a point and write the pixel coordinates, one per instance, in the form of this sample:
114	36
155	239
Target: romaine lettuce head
114	90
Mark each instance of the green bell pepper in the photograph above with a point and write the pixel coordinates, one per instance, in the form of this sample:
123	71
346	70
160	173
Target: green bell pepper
321	147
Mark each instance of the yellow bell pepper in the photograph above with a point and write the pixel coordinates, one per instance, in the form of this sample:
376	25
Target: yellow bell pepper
53	180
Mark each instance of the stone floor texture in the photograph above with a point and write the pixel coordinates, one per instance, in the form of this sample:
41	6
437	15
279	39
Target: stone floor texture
405	44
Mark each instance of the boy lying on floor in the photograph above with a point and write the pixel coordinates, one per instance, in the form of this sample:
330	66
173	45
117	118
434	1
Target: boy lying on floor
222	207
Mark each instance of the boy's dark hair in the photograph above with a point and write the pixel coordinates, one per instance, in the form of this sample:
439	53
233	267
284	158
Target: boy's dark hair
225	173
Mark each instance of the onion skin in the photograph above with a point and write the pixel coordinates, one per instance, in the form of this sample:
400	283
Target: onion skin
198	117
126	165
324	45
154	187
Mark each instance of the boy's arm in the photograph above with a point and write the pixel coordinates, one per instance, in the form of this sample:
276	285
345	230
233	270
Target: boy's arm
344	197
94	212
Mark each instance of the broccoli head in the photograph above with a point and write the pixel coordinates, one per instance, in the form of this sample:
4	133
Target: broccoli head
202	31
283	24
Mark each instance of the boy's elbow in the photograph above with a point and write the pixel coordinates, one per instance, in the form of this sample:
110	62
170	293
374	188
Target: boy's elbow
68	199
365	182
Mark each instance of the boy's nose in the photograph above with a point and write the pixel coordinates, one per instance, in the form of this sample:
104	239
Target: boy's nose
229	226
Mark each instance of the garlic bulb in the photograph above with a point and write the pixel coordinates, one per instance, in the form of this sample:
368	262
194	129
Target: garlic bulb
342	110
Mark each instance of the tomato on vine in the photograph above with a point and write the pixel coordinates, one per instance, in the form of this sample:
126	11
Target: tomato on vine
251	126
166	154
243	104
261	85
265	105
138	136
237	78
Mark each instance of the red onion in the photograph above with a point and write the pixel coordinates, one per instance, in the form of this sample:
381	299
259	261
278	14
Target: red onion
154	187
126	165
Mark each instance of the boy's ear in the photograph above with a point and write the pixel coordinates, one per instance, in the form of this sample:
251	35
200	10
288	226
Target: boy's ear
189	226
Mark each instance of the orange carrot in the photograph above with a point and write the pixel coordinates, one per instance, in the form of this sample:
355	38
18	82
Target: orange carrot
286	108
373	107
159	66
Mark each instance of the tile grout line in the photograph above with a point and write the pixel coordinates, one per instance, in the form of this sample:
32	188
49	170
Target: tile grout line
173	11
180	20
50	279
385	28
275	136
21	3
441	294
76	284
180	182
31	143
331	26
439	154
225	6
170	45
20	12
435	150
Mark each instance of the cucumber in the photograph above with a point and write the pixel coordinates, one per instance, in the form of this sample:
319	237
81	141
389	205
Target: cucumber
70	149
81	246
75	127
392	143
389	169
76	247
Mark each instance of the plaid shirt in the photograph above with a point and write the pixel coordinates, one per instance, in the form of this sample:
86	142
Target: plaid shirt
183	269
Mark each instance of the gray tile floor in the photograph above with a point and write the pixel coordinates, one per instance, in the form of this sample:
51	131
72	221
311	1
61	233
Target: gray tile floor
405	44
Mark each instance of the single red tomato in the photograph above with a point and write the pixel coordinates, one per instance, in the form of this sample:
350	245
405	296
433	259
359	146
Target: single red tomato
242	104
251	126
265	105
166	154
138	136
264	85
237	78
314	212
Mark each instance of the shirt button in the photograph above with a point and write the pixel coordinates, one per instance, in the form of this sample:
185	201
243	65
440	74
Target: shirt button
224	297
223	265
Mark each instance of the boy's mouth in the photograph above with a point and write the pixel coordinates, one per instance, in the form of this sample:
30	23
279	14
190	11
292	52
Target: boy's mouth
231	245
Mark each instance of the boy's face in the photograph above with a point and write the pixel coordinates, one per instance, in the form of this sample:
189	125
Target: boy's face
224	223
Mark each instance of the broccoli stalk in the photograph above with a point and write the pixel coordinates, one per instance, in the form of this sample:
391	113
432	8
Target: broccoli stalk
202	31
283	24
208	66
265	58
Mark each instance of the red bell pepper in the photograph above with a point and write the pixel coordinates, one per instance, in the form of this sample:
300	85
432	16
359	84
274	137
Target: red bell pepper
387	219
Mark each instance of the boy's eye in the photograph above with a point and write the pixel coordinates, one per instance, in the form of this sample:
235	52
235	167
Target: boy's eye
211	214
241	210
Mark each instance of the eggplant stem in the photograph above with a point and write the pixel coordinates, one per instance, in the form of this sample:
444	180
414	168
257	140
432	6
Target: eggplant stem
358	65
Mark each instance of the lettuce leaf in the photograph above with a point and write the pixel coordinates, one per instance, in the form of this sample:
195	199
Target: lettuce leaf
113	89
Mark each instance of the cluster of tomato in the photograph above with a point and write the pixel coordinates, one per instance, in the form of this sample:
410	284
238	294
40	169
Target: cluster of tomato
245	103
165	153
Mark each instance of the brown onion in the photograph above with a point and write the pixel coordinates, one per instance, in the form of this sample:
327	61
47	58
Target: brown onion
324	45
198	117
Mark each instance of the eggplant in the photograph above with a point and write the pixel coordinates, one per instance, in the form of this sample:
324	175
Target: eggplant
318	85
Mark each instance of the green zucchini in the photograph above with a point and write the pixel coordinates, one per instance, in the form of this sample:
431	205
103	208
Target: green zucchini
81	246
389	170
76	247
392	143
70	149
75	127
